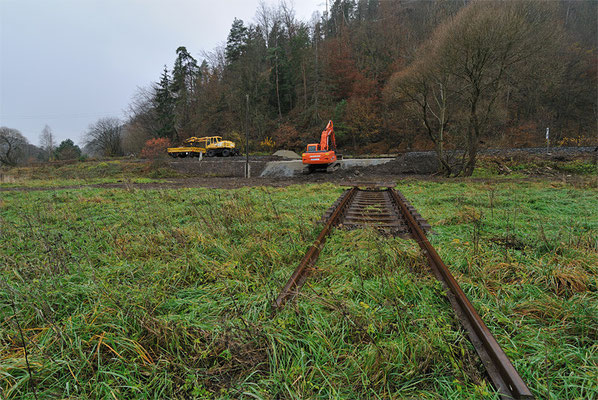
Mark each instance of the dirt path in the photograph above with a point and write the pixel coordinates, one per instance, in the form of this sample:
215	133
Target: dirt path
221	183
338	179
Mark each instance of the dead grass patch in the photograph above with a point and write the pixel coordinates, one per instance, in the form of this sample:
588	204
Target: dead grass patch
568	280
542	309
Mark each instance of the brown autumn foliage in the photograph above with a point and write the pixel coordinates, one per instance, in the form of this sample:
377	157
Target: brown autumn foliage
287	137
363	120
155	148
342	73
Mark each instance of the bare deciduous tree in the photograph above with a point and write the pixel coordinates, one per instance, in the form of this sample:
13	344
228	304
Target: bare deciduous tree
47	142
142	122
482	47
469	62
104	137
427	96
12	146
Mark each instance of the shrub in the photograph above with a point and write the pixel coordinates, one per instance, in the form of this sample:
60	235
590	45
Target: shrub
287	137
155	148
67	150
267	145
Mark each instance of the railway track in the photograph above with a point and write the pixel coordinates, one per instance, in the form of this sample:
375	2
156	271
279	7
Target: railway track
387	210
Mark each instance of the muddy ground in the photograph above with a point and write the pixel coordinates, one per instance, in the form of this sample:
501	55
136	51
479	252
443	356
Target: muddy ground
233	182
334	178
227	173
416	162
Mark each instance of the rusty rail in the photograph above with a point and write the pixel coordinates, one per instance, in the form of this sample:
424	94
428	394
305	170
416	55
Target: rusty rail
504	376
300	274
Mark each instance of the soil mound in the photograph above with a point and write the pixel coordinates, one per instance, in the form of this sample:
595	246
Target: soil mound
291	155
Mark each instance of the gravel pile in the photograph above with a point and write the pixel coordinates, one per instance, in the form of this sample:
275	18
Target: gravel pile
291	155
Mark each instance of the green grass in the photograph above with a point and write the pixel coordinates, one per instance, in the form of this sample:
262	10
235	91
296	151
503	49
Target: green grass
88	173
167	294
57	183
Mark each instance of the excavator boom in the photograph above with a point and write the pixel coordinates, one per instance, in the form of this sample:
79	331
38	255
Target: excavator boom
327	139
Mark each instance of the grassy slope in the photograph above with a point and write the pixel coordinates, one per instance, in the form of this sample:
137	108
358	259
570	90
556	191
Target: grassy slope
154	294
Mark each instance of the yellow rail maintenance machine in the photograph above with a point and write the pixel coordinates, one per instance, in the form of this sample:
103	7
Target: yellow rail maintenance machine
211	146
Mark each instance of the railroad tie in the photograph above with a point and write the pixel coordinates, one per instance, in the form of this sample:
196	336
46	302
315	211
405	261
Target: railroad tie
376	208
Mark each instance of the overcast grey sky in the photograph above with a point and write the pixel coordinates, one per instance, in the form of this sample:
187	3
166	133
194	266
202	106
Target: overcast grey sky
67	63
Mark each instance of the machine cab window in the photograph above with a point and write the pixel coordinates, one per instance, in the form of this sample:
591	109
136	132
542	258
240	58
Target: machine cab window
312	148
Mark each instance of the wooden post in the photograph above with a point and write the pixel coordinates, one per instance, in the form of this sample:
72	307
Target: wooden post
247	174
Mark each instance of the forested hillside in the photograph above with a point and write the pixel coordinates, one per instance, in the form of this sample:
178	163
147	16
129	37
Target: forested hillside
392	75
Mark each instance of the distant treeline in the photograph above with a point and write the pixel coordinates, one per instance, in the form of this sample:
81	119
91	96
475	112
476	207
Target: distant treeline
392	75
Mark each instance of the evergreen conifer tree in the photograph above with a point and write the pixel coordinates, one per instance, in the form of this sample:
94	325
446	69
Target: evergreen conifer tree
185	75
164	107
237	39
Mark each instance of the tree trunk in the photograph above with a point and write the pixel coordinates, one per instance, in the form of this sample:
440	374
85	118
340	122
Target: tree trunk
445	167
304	85
472	154
277	91
473	133
317	117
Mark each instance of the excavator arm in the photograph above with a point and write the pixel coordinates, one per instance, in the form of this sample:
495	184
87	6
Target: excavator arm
328	141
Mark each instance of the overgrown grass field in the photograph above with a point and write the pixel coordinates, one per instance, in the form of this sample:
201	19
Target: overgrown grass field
86	173
153	294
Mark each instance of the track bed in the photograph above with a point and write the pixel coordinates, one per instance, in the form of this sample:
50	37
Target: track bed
388	211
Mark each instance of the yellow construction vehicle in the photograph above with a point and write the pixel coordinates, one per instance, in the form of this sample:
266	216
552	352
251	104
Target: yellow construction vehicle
210	146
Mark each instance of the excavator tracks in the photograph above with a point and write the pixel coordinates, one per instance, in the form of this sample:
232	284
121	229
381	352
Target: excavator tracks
381	207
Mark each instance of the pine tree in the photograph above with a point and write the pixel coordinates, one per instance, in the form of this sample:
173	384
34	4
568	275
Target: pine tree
236	42
164	107
282	86
185	75
67	150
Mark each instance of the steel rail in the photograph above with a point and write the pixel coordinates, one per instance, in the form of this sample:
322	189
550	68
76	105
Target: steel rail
502	373
300	274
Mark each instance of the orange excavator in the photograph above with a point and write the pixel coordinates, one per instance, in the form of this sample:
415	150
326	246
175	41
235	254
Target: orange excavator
322	156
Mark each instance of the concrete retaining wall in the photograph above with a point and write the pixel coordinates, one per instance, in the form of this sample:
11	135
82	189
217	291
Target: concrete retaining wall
295	167
219	167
